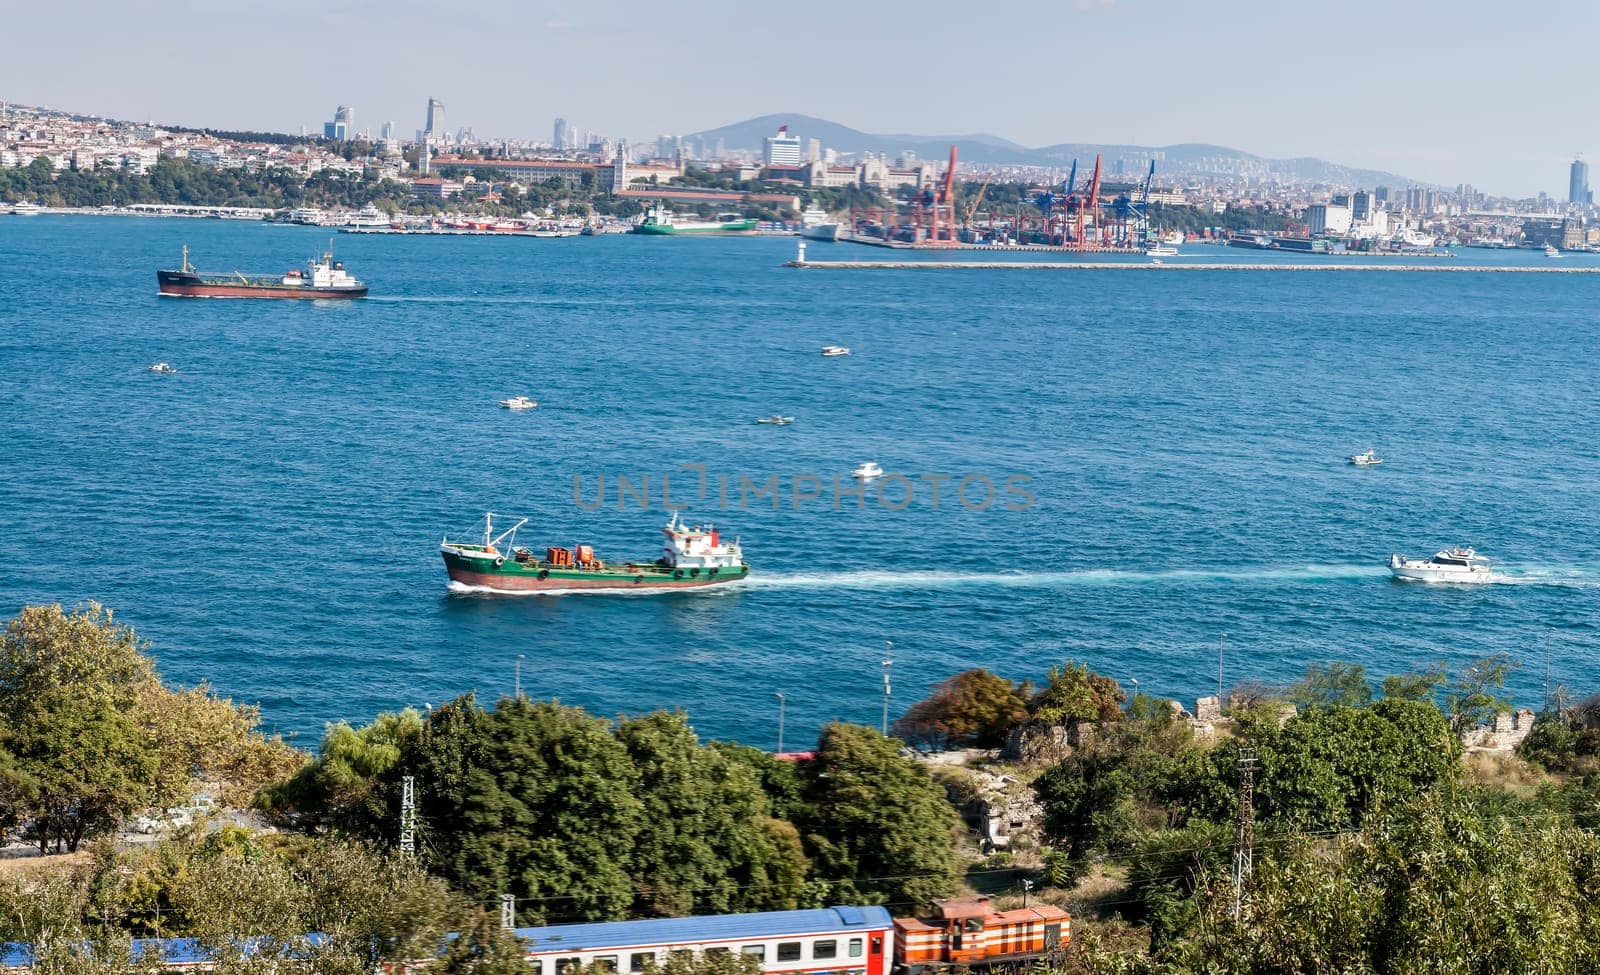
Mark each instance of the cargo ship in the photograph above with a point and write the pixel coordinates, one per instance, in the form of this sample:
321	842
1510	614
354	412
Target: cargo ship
325	278
690	558
660	221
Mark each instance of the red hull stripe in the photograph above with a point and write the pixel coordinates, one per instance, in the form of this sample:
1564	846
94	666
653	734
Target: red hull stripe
226	291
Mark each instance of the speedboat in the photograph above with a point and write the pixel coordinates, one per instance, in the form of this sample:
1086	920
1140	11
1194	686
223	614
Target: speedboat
518	403
867	472
1451	565
776	420
164	367
1367	458
832	350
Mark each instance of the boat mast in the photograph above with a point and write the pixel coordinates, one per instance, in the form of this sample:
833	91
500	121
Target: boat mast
185	258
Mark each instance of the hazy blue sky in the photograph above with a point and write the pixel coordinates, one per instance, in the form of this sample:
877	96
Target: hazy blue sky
1495	94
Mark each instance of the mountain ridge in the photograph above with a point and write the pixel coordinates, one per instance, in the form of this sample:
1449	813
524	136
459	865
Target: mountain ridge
1177	160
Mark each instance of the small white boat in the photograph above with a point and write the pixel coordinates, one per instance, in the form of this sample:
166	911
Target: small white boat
1161	250
1550	251
518	403
164	368
833	350
1451	565
776	420
867	472
1367	458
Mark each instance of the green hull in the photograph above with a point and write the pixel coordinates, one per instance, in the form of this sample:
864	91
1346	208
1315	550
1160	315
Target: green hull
510	575
674	230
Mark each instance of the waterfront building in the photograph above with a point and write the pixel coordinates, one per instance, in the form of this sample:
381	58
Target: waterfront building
1327	218
1578	183
782	149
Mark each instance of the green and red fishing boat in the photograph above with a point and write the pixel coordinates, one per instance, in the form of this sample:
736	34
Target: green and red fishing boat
691	558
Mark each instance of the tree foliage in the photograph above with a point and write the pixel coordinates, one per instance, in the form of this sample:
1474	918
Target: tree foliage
1072	693
974	707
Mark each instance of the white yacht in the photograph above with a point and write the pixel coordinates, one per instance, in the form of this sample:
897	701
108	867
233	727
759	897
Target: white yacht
518	403
1367	458
867	472
833	350
1451	565
165	368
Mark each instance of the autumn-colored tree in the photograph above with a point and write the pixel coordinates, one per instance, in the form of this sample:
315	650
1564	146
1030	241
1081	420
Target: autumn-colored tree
974	707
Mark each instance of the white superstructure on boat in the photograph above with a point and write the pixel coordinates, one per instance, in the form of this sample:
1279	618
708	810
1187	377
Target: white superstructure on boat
1451	565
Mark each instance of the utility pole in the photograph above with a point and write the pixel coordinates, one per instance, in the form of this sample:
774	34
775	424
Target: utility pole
408	816
888	661
1220	637
1244	841
520	656
1027	885
1547	670
508	911
783	703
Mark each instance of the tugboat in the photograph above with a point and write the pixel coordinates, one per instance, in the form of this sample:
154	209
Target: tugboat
325	278
1451	565
691	558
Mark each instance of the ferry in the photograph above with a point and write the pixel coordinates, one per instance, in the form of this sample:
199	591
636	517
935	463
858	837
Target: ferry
661	221
26	209
325	278
1550	251
690	558
1451	565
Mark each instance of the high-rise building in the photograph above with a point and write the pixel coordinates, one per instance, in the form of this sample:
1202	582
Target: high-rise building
434	130
783	149
1416	199
563	134
1361	206
386	132
813	150
1380	195
1578	182
343	125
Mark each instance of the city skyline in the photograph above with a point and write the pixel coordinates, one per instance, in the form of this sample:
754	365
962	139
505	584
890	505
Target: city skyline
1446	111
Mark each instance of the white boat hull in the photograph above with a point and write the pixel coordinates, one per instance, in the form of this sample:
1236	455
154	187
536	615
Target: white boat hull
1413	570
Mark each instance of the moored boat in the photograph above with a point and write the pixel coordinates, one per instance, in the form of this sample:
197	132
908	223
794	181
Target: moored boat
324	278
691	558
1450	565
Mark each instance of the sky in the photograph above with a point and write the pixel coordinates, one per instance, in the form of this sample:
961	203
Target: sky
1444	91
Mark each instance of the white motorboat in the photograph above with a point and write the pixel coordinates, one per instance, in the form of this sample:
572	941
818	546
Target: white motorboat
833	350
164	368
1367	458
1451	565
518	403
867	472
776	420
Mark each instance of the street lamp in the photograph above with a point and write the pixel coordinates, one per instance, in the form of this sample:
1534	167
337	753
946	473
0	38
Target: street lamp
888	662
782	704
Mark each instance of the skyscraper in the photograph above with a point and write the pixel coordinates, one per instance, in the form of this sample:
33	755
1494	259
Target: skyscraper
1578	182
343	125
563	134
783	149
435	126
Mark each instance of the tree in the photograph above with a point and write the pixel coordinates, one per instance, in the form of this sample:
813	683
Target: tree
1073	693
974	707
337	785
45	648
876	824
1332	684
1470	699
1416	685
87	766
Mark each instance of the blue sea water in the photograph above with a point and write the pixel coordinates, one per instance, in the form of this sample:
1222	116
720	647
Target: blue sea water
269	517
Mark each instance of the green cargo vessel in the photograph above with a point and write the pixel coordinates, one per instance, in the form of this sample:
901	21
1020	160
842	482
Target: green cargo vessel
691	558
661	221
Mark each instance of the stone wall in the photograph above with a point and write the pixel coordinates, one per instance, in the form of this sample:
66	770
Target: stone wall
1504	735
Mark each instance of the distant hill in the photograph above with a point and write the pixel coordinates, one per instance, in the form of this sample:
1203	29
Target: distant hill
1176	161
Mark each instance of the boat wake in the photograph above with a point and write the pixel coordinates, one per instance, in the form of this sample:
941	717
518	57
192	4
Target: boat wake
1107	578
871	579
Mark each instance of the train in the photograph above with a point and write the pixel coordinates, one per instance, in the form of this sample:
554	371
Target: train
963	932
